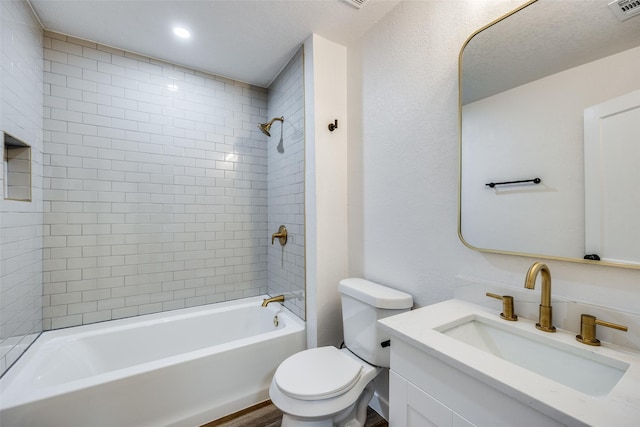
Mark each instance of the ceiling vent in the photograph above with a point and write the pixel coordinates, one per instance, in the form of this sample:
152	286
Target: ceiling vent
359	3
625	9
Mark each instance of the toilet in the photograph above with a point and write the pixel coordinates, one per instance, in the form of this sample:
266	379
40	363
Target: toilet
327	386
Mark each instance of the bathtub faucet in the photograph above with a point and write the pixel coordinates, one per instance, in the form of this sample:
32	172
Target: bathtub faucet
279	298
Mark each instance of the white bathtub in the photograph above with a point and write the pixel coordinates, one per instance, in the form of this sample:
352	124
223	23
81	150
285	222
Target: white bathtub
178	368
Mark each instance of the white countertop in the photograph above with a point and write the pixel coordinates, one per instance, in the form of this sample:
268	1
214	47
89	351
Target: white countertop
621	407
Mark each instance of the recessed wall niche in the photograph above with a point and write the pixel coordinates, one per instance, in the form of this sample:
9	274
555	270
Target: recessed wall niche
17	169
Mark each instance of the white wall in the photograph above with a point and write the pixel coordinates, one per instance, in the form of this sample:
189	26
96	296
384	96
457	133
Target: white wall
505	140
156	191
403	165
326	189
20	221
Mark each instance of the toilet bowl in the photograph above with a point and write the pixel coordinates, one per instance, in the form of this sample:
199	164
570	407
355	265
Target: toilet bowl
331	387
323	387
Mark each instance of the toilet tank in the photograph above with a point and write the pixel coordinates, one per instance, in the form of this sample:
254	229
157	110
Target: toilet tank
363	304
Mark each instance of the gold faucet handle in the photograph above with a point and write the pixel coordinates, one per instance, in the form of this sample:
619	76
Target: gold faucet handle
588	329
507	306
281	235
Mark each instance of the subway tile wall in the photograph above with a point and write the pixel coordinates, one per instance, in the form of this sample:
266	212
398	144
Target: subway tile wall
286	265
21	222
156	185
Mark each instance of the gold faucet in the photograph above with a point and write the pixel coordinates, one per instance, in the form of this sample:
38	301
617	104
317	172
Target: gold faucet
544	317
279	298
507	306
588	329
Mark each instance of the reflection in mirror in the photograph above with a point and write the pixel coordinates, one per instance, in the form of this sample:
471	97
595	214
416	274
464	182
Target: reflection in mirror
530	84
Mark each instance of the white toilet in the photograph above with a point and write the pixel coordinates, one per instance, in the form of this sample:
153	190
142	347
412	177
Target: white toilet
326	386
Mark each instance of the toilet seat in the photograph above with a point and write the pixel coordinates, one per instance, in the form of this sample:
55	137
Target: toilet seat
327	406
317	374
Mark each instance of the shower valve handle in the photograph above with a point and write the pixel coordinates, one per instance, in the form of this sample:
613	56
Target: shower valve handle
281	235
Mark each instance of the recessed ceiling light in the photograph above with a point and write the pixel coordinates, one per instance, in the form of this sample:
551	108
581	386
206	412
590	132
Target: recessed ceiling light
183	33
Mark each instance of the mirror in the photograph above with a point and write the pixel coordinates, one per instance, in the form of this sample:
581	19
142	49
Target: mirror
533	87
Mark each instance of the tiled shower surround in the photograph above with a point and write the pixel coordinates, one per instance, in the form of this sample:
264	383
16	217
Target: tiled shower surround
20	221
286	265
155	185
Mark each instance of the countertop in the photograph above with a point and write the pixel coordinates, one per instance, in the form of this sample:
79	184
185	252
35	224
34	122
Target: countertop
620	407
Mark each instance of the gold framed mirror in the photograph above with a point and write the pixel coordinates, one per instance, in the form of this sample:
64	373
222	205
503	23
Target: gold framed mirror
532	84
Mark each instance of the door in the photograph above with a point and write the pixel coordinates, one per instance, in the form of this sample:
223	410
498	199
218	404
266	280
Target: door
612	177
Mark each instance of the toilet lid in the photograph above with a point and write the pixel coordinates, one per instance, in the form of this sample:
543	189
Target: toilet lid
318	373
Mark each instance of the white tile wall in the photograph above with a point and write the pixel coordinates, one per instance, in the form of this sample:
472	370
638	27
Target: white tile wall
286	264
21	62
155	189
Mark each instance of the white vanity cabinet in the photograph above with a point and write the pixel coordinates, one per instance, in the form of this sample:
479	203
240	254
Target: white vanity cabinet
412	407
425	392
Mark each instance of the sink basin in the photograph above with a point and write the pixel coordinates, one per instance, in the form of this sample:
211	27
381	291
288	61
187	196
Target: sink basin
580	369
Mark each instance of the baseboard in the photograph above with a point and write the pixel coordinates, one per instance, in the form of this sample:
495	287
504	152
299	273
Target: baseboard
380	405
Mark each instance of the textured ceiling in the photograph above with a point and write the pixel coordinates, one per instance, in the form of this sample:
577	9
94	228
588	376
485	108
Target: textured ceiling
246	40
252	40
546	37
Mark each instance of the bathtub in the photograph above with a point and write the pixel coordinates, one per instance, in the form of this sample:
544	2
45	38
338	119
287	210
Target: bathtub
179	368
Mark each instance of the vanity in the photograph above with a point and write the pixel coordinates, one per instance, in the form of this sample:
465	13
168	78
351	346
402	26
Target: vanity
459	364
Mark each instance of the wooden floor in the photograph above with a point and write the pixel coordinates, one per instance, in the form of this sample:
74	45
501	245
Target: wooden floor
267	415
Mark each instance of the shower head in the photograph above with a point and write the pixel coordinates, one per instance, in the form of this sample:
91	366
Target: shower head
266	127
